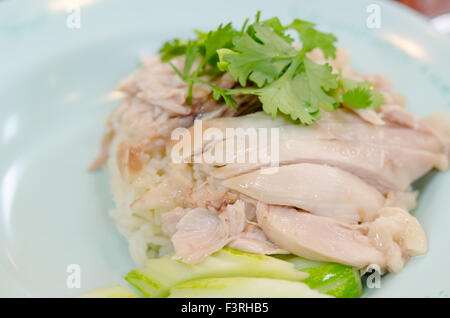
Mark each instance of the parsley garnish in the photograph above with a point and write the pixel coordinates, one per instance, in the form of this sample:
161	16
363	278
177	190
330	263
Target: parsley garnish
261	58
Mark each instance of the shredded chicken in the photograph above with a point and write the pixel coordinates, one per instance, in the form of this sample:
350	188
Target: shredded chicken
398	235
253	240
154	105
197	233
201	232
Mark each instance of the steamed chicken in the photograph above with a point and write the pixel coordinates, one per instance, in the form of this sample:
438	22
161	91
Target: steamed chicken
342	191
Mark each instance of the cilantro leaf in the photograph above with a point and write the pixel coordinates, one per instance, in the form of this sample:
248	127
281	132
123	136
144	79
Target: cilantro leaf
219	39
377	99
312	38
220	92
320	79
201	35
172	49
261	53
260	62
222	64
283	95
300	95
360	94
357	97
278	28
192	54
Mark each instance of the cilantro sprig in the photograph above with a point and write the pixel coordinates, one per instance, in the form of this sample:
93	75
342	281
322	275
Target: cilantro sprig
261	58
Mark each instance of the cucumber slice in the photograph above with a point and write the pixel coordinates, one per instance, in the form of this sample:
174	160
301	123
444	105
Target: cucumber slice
159	275
337	280
243	287
300	262
334	279
110	292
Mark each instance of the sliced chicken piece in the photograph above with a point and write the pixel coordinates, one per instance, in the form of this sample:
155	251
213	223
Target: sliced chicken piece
170	220
399	235
440	120
141	124
386	135
233	216
387	168
204	135
318	237
159	85
320	189
369	115
201	232
253	240
398	115
405	200
344	125
154	105
338	125
170	100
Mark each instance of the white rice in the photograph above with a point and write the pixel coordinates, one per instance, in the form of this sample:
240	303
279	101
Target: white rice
141	228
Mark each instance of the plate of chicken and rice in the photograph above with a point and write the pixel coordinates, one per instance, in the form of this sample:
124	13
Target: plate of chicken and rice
259	155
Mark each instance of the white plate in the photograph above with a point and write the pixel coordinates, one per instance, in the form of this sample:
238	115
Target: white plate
54	86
